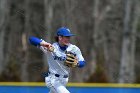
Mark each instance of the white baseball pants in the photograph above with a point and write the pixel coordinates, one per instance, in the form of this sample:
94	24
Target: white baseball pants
56	84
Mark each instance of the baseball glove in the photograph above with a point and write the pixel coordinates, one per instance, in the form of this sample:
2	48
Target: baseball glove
71	60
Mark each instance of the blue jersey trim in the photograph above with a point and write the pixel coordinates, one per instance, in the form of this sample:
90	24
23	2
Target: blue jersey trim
63	48
35	41
81	64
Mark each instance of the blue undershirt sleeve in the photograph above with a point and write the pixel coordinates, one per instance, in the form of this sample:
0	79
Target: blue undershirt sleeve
34	40
81	64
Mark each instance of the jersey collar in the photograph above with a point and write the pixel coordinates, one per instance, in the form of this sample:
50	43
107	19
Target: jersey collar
63	48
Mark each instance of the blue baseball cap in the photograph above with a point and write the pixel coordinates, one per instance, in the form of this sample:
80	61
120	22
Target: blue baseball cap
64	31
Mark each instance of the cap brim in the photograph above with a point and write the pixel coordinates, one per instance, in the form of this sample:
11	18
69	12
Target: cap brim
69	35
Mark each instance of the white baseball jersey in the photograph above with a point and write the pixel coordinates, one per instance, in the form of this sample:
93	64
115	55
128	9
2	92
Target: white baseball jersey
56	59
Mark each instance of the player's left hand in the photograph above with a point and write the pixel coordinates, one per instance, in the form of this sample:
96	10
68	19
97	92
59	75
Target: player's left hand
71	60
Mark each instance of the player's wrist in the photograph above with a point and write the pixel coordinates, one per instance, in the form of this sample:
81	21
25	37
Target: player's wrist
81	64
43	43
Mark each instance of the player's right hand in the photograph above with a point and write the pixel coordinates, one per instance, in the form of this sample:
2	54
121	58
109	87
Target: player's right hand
48	46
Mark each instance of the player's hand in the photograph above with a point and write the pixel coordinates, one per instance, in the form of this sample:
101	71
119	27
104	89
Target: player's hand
48	46
71	60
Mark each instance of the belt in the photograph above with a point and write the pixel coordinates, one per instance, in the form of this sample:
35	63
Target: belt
57	75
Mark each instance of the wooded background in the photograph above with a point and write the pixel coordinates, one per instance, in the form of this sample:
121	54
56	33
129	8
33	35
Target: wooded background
107	32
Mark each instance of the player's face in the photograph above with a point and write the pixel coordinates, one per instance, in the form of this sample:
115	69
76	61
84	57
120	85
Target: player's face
64	40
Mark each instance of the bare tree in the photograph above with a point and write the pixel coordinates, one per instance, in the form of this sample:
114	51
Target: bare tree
111	37
127	73
3	18
99	38
48	24
24	66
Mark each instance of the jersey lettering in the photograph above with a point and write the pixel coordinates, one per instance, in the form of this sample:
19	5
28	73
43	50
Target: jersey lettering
59	58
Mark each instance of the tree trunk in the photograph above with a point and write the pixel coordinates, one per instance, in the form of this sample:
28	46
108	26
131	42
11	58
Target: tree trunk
94	44
24	66
3	13
112	36
127	74
98	37
1	50
48	24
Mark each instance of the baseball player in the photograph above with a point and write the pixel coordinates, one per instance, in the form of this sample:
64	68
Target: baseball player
62	56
